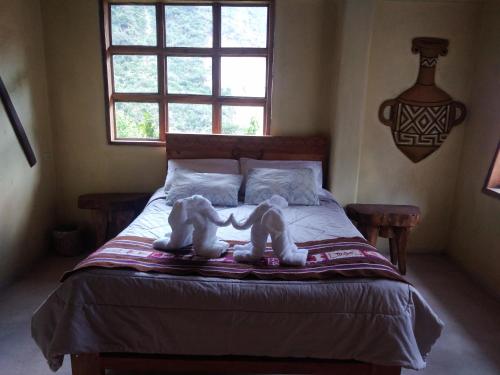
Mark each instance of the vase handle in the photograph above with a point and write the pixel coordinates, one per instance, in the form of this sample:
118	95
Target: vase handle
381	110
463	112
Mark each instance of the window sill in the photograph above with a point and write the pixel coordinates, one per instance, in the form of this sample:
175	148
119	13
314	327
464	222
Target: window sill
135	142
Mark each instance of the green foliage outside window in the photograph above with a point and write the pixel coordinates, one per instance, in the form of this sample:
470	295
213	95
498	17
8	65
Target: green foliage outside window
186	26
137	120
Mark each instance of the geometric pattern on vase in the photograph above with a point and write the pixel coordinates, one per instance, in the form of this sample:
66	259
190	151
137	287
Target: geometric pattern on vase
428	62
421	126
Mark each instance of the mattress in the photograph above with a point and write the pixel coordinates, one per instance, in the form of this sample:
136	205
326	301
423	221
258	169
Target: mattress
306	223
372	320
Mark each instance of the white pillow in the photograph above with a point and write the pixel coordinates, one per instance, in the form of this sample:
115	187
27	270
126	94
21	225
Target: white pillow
224	166
296	185
246	164
221	189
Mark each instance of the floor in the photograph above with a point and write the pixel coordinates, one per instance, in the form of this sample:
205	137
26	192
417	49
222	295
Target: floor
469	345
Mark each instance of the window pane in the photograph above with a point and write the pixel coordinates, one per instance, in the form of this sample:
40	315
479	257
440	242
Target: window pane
242	120
244	27
188	26
133	73
137	120
243	76
133	25
189	75
189	118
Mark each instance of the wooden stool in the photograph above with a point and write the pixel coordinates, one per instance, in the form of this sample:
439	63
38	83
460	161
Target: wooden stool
112	212
388	221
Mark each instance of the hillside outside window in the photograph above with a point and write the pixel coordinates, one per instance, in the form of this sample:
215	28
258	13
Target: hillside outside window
197	67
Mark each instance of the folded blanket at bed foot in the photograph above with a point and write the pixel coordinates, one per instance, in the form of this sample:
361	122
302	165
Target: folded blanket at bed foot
326	259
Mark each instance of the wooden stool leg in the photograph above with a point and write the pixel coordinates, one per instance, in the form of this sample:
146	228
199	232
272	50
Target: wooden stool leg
370	232
100	226
393	247
118	221
402	240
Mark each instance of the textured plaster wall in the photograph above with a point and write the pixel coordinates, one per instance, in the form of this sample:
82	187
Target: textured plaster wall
474	238
26	194
349	77
305	36
335	62
385	174
86	163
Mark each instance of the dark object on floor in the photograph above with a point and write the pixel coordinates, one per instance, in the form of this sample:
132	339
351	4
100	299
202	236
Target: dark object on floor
16	125
388	221
95	364
112	212
67	240
422	117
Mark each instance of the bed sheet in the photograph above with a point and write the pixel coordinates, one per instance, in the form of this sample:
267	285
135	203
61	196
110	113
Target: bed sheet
306	223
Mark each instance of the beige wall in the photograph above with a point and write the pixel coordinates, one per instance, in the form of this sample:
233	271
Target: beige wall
384	174
305	33
26	199
349	88
86	163
474	238
335	62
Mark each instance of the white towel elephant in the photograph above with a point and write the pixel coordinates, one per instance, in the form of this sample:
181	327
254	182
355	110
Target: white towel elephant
267	219
194	221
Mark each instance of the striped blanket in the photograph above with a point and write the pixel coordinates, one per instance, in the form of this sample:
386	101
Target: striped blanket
341	257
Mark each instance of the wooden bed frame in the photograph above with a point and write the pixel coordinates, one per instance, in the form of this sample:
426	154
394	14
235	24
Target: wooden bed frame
193	146
196	146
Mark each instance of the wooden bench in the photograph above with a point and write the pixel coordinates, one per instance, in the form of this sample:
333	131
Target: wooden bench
388	221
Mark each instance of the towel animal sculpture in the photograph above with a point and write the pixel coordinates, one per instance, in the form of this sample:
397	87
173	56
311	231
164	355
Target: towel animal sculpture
267	219
194	221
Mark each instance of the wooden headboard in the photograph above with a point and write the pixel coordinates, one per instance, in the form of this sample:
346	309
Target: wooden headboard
208	146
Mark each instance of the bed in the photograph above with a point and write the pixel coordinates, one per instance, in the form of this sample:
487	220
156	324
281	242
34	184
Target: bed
128	320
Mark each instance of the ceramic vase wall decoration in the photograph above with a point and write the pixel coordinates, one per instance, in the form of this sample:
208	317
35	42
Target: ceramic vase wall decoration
422	116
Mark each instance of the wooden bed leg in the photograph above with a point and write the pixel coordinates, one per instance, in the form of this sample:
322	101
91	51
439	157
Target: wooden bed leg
385	370
86	364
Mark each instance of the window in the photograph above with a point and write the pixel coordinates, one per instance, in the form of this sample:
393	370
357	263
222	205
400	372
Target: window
187	67
492	183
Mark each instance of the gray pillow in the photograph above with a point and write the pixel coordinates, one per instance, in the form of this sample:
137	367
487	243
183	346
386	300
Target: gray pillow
220	189
297	186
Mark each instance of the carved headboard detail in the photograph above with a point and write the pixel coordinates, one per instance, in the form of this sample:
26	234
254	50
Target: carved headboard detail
208	146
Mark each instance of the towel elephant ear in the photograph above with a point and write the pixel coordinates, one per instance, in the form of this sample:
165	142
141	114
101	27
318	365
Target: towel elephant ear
273	221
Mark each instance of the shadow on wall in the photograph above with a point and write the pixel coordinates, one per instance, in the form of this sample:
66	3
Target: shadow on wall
29	239
26	202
